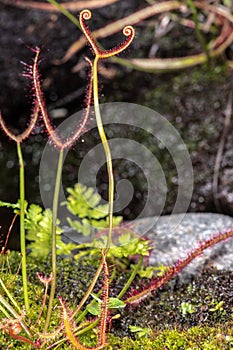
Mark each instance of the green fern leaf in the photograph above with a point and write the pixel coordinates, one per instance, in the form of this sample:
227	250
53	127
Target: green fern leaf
85	204
38	224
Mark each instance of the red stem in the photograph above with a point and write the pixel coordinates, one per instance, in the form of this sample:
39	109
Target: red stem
178	267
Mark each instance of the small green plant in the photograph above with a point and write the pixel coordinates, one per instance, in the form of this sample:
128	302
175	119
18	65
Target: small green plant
187	308
139	331
217	306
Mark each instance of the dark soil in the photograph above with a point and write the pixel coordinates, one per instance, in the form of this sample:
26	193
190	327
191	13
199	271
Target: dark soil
164	309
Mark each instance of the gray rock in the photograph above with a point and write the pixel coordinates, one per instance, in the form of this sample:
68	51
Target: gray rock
174	236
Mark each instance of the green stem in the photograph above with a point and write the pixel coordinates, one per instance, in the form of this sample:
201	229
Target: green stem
54	252
106	150
65	12
199	35
9	295
88	328
90	289
5	313
85	312
7	306
77	333
22	227
131	278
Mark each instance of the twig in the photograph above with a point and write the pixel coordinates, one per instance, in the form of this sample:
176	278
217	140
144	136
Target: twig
221	145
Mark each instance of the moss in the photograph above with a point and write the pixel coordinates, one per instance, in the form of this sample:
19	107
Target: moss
206	326
194	338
